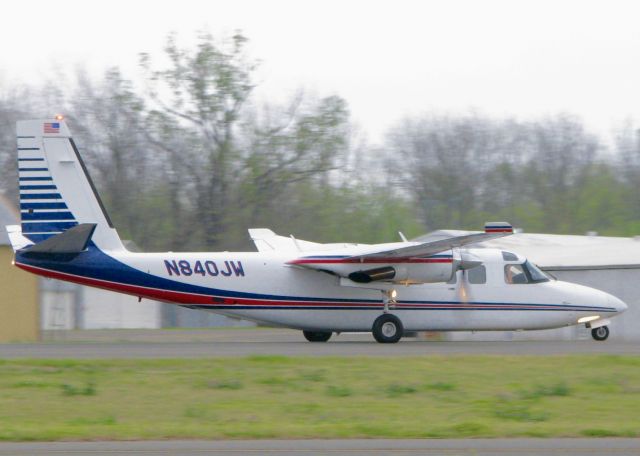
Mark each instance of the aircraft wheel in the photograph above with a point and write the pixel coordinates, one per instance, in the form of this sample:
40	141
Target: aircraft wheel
387	329
600	333
316	336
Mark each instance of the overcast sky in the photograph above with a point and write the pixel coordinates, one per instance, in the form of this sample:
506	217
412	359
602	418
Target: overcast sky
387	58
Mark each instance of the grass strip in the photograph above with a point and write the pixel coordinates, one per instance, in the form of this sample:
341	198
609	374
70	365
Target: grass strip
311	397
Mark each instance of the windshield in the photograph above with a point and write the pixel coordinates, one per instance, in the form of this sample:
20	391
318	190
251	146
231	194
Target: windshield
524	273
535	273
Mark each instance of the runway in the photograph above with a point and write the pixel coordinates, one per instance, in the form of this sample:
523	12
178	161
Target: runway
247	342
476	447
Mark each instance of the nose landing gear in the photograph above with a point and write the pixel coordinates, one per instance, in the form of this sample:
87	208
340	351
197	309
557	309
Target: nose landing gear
600	333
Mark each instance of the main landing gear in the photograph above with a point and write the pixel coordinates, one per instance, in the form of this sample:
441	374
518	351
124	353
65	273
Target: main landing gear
600	333
316	336
387	328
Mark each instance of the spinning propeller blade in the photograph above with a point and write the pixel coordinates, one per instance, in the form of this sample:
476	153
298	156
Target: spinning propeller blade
467	261
463	292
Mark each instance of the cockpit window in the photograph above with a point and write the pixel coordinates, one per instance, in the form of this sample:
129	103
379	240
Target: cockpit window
514	273
508	256
524	273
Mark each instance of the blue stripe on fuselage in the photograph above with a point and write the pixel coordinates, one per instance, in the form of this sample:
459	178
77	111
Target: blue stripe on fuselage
95	264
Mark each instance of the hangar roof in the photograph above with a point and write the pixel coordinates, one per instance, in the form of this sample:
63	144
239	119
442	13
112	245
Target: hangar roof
559	251
8	216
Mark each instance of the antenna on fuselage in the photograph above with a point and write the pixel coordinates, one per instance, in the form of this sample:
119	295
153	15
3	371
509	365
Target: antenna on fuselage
295	242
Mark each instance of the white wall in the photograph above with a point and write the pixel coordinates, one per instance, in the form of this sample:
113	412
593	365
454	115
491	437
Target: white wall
101	309
57	309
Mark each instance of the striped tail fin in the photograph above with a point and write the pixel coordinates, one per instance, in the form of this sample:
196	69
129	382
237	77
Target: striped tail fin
56	191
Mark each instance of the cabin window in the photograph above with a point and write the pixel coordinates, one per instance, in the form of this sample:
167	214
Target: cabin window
514	273
453	279
477	275
508	256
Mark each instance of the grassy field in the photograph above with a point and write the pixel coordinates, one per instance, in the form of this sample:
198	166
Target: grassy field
282	397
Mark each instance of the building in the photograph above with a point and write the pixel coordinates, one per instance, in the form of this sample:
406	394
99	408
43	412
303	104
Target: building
69	306
19	290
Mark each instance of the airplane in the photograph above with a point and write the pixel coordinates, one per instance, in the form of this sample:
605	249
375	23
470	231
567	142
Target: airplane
386	289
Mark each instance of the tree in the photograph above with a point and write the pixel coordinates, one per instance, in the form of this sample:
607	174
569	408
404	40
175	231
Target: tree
462	171
300	144
198	102
109	127
443	161
15	104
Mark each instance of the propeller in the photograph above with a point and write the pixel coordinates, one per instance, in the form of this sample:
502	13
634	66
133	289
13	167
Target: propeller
463	293
466	262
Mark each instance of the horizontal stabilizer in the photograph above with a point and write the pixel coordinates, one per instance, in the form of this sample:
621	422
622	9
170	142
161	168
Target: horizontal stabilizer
73	240
266	240
17	240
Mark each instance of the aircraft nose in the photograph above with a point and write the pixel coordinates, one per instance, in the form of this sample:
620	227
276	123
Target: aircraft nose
616	303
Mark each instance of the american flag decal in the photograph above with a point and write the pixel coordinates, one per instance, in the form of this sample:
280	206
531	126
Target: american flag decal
52	127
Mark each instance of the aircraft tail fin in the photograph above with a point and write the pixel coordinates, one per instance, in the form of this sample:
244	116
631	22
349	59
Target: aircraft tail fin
56	191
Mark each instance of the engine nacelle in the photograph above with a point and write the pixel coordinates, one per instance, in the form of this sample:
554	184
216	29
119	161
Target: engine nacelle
405	273
386	273
423	272
434	269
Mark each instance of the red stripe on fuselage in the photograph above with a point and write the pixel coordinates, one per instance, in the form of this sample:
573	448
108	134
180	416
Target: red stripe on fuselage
175	297
369	260
146	292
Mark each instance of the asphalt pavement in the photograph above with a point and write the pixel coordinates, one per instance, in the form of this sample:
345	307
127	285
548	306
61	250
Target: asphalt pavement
246	342
475	447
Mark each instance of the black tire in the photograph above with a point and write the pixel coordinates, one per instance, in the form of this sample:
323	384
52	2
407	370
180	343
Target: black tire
600	333
387	329
316	336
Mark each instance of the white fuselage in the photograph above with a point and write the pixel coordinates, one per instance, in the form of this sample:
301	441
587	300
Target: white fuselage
65	233
262	287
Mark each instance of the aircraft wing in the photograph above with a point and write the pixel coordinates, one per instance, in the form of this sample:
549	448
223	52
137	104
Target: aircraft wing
492	230
398	252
